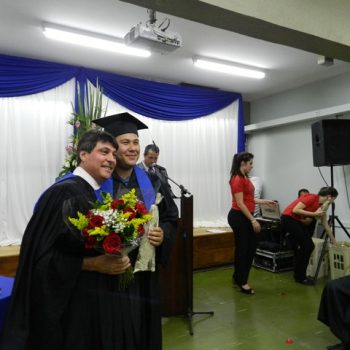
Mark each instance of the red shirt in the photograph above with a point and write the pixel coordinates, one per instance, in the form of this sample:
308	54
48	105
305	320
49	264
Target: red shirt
242	184
311	202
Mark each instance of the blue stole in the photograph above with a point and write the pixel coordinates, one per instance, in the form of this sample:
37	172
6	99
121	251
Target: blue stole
146	187
143	180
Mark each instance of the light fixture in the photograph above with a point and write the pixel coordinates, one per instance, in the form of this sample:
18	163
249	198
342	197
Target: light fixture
93	40
228	67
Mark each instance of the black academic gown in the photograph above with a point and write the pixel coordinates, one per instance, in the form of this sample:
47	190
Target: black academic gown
57	306
334	308
145	291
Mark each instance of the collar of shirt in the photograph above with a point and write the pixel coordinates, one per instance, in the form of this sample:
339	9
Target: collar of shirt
79	171
124	181
145	166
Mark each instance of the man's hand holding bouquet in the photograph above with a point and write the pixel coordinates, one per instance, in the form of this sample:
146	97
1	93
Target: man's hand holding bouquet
114	227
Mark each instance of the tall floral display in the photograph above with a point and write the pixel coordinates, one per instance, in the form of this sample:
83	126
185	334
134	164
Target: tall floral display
89	107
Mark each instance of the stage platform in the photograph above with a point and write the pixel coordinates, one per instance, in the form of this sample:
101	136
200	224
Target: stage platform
9	260
210	249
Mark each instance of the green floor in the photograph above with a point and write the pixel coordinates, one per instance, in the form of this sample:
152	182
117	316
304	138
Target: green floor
281	309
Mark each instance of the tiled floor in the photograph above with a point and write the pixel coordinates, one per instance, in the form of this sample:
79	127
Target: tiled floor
280	310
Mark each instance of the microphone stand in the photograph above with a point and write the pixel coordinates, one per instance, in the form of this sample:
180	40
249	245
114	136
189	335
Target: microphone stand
158	171
183	190
187	234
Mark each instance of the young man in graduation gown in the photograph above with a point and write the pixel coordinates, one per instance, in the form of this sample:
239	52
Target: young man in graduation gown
142	307
64	295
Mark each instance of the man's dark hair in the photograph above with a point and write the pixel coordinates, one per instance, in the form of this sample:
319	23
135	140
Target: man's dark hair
90	139
303	190
328	191
151	147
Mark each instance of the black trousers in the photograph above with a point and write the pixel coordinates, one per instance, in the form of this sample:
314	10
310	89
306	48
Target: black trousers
245	241
302	243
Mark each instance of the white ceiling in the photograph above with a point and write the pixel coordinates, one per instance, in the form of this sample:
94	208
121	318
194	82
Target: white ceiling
21	35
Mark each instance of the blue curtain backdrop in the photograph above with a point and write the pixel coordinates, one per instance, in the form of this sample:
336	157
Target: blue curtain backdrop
23	76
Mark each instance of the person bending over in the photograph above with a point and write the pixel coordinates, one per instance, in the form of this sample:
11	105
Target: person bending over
307	206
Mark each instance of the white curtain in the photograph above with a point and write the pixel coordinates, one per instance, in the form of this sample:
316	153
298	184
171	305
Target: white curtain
33	136
197	154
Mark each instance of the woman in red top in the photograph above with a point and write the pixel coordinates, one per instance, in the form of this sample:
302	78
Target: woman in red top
292	221
241	218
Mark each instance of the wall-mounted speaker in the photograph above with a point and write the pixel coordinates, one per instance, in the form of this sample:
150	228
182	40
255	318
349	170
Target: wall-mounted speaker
331	142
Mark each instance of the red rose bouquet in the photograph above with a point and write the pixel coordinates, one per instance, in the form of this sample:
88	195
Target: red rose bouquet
114	226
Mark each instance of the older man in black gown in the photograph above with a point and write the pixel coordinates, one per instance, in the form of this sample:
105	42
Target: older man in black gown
63	296
334	310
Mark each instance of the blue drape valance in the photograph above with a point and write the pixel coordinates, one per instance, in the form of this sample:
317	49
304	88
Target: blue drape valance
23	76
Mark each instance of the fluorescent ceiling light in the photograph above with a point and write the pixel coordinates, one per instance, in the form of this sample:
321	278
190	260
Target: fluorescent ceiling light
93	40
228	67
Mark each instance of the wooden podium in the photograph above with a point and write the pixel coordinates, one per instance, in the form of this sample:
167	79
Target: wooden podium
177	276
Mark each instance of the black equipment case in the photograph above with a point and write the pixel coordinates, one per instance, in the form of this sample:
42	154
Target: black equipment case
274	261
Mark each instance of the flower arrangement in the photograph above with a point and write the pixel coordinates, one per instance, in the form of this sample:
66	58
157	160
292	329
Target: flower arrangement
88	109
114	226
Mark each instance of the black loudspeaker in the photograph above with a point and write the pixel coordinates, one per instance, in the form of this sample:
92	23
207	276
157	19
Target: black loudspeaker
331	142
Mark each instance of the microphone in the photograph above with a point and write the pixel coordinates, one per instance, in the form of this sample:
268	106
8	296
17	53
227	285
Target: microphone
164	175
156	166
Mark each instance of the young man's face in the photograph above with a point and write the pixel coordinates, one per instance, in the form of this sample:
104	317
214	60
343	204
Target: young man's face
327	198
331	199
150	158
100	162
128	150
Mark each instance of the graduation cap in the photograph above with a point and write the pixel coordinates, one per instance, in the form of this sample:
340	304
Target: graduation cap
119	124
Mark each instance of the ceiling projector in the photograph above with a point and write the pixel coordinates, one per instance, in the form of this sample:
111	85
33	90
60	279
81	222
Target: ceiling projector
152	38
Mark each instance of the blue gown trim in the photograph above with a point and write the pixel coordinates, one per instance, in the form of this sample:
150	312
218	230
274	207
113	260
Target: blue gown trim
146	186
